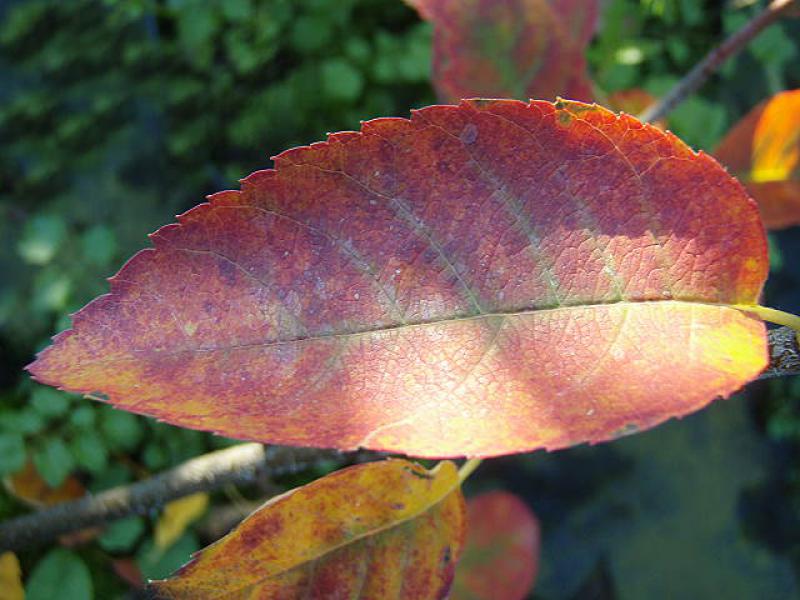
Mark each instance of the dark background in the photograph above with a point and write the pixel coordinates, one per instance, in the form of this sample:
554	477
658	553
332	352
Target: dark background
116	115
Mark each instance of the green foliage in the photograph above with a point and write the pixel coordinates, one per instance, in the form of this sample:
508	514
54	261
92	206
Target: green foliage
156	564
60	574
12	453
122	535
53	460
90	451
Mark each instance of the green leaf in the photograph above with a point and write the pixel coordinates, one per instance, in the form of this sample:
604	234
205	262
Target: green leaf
341	80
115	474
62	575
49	402
773	46
121	430
89	451
310	34
775	256
99	245
12	453
699	122
154	456
41	238
51	290
157	565
82	417
122	535
236	10
53	461
26	421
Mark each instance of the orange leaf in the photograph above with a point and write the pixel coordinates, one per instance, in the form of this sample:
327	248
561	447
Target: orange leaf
482	279
763	150
510	48
389	529
501	555
27	485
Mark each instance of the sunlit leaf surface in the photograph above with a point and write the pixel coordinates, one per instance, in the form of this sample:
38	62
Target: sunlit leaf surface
481	279
763	151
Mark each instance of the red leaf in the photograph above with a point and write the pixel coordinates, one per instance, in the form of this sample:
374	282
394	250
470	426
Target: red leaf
482	279
763	150
127	570
510	48
500	560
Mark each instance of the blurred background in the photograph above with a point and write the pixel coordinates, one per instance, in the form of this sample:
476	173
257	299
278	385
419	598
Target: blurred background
116	115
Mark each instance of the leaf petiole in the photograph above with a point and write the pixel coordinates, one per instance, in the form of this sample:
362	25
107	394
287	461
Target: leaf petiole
772	315
467	468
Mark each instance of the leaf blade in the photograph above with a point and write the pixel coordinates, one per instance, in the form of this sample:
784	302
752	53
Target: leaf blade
312	540
376	274
501	554
510	48
763	150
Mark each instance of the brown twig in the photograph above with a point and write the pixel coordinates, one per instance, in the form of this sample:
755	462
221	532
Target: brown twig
237	465
714	59
784	354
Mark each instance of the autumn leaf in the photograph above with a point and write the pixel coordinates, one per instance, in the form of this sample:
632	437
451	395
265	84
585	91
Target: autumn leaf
763	151
510	48
481	279
176	517
10	577
501	555
389	529
29	487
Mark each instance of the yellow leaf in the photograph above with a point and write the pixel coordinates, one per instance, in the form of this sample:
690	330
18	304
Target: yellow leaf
10	577
176	518
388	529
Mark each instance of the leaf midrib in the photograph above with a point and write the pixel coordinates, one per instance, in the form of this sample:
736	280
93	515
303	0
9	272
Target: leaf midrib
418	325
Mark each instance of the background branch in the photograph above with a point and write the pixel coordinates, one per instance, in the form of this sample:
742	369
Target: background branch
246	463
714	60
784	354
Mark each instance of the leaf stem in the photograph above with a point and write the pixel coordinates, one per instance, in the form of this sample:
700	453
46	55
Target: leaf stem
772	315
714	59
467	468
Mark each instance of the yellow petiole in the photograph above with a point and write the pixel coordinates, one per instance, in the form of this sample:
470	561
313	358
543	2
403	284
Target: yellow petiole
467	468
771	314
